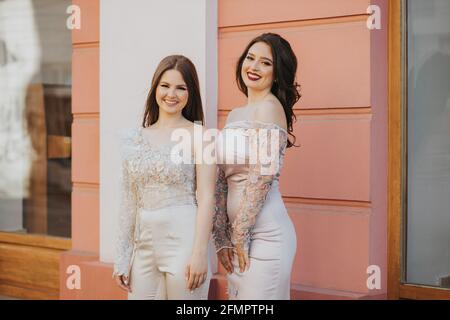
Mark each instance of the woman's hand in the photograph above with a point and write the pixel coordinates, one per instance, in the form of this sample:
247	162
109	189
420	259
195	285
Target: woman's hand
122	282
243	259
196	271
225	256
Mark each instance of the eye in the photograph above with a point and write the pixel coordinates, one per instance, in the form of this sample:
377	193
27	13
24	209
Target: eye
267	63
182	88
249	58
164	85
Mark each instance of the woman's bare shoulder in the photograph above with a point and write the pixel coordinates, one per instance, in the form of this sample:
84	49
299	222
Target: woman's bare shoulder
271	111
235	114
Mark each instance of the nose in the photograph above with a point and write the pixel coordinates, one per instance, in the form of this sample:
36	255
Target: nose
171	92
254	65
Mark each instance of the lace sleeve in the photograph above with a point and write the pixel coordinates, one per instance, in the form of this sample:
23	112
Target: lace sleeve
127	213
221	224
270	146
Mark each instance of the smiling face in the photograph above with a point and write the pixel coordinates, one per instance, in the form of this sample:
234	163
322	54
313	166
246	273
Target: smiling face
257	67
172	93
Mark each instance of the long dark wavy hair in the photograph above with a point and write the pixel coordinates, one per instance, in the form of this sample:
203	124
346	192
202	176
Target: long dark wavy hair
193	111
284	85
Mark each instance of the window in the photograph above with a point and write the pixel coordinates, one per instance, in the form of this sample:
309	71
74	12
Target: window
35	117
427	260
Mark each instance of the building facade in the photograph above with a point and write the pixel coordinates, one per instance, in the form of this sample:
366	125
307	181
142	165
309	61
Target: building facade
344	187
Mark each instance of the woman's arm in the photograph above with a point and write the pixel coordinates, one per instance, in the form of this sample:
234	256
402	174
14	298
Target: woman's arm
127	217
126	228
127	211
206	174
251	203
196	271
221	224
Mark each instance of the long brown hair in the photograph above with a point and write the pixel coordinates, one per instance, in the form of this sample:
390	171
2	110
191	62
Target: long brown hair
193	111
284	86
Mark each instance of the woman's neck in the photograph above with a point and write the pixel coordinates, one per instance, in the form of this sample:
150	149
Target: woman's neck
257	96
169	121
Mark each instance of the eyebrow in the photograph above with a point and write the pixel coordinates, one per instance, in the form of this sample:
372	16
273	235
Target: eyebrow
261	57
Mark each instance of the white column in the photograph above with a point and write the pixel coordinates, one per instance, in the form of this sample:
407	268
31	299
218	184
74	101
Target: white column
134	36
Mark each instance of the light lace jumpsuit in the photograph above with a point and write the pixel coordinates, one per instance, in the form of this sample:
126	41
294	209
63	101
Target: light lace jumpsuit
157	221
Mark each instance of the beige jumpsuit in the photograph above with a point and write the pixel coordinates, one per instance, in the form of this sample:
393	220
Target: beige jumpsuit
157	222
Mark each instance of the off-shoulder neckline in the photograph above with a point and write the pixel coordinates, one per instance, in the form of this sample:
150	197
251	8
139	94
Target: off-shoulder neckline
256	121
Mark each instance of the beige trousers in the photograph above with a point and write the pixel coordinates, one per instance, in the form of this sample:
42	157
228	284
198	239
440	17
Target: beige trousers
164	247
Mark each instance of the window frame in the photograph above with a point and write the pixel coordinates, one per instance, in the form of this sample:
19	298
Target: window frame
397	157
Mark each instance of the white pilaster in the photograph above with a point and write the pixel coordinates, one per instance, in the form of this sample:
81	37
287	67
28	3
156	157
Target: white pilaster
134	36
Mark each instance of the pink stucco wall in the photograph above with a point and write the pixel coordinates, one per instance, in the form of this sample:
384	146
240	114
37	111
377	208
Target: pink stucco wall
334	185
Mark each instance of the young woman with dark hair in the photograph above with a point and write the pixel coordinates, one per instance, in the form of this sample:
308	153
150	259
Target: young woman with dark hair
254	236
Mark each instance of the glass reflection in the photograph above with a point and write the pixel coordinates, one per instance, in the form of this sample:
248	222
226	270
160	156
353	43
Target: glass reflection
35	117
428	215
